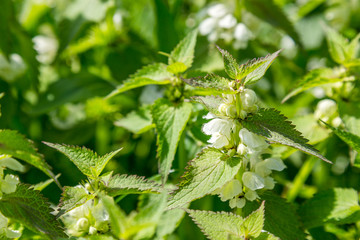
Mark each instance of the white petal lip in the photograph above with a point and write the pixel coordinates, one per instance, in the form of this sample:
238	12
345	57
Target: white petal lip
217	10
253	181
207	26
227	22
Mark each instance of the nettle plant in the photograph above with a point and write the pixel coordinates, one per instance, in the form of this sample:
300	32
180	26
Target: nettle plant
236	165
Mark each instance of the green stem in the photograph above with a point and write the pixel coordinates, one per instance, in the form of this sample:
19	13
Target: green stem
300	178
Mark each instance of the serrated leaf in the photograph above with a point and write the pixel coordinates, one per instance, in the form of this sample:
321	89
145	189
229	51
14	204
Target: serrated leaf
210	170
184	51
275	127
169	221
137	121
16	145
232	68
130	184
314	78
73	197
339	47
266	236
338	205
254	223
151	74
258	68
118	219
350	139
30	208
280	217
211	103
350	115
271	13
218	225
213	83
87	161
170	121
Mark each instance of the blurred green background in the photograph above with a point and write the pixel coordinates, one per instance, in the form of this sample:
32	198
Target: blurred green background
60	58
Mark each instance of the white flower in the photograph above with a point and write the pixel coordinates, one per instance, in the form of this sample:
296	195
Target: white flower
265	167
325	109
251	195
12	69
4	230
241	149
269	183
46	47
253	181
237	202
217	10
8	185
242	33
11	163
207	26
248	99
228	21
230	190
220	131
254	142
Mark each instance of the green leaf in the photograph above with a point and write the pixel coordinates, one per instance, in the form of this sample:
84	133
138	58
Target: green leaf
170	121
271	13
168	222
30	208
88	162
275	127
338	205
350	139
314	78
118	220
210	170
310	128
184	51
339	47
280	217
211	103
176	68
254	223
16	145
266	236
350	115
130	184
73	197
213	83
137	121
151	74
75	88
218	225
232	68
256	69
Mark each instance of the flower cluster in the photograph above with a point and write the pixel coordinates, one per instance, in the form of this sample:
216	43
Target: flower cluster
228	135
8	185
326	110
12	68
87	219
221	24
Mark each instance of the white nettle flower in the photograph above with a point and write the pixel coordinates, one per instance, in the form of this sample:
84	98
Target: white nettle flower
46	47
5	231
251	195
253	181
227	22
230	190
217	10
220	131
207	26
265	167
248	100
12	69
242	35
8	162
8	184
253	142
325	110
237	202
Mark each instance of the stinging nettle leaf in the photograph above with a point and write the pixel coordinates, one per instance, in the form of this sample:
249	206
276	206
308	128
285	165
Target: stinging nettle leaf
88	162
210	170
16	145
73	197
30	208
314	78
184	51
232	68
337	45
211	82
170	121
257	69
280	217
130	184
137	121
218	225
350	139
275	127
254	223
156	73
211	103
338	205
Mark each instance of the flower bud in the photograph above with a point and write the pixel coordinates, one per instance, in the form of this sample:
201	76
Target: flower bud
231	111
237	202
82	225
325	109
222	108
243	114
248	98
